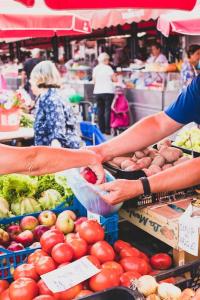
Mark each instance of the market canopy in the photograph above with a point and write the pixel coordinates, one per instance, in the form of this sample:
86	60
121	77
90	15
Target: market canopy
180	22
18	21
102	4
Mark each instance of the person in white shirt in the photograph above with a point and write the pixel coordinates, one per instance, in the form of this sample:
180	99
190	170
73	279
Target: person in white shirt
103	78
159	58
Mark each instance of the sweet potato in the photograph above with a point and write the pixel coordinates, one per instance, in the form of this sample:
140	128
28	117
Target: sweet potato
152	152
167	166
144	162
118	160
170	154
158	161
134	158
155	169
187	294
126	163
139	154
146	151
133	167
165	142
148	172
181	160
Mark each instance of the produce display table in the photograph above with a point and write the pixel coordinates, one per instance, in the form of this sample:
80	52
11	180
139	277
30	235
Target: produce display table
20	134
162	222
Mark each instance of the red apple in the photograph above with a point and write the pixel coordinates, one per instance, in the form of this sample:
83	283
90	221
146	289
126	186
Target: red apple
25	238
29	223
68	213
15	247
89	175
4	237
65	224
79	221
47	218
13	231
39	230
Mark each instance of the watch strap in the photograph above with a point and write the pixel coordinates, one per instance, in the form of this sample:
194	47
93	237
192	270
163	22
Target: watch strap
146	186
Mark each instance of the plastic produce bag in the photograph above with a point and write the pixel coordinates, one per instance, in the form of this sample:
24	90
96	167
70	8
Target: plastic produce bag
89	195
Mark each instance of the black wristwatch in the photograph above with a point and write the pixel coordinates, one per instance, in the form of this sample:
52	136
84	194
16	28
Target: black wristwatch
146	186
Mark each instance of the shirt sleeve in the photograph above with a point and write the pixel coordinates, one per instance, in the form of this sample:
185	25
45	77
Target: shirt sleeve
186	108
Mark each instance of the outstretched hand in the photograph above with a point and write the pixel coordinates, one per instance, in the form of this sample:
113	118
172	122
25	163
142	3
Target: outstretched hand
121	190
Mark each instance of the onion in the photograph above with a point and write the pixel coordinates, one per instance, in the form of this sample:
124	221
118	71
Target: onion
147	285
168	291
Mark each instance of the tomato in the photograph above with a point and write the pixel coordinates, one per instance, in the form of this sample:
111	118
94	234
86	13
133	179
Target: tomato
135	264
169	280
23	289
63	265
43	289
103	280
119	245
26	270
4	284
103	251
144	256
44	297
91	231
114	266
44	265
95	261
62	253
33	257
79	247
161	261
70	293
83	293
5	295
129	251
51	238
127	277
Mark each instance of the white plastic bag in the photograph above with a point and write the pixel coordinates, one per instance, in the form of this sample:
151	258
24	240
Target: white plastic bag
89	195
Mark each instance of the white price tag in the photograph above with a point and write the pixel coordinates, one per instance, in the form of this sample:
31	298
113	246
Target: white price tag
68	276
189	235
93	216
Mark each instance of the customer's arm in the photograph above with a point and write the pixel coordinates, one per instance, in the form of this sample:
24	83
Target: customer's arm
141	135
45	160
181	176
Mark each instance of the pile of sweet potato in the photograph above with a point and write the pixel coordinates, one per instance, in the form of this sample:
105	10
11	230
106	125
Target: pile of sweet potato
151	160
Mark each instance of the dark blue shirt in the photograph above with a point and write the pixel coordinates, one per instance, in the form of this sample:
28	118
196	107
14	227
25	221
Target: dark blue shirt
55	120
186	108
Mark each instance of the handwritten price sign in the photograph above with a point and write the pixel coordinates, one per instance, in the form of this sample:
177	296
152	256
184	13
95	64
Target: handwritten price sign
64	278
189	235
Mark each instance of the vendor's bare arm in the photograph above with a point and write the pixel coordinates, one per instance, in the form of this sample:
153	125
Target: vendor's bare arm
181	176
178	177
43	160
141	135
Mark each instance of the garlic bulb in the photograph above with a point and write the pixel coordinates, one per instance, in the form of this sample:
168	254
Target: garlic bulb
168	291
147	285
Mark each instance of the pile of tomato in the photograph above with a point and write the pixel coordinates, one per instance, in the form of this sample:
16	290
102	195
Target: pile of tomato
118	264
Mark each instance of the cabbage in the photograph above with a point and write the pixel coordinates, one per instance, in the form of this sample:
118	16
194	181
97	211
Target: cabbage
50	199
4	208
26	206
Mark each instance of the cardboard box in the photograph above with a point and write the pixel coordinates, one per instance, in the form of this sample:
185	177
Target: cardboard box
159	220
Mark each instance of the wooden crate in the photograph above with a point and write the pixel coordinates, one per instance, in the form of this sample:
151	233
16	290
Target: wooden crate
162	222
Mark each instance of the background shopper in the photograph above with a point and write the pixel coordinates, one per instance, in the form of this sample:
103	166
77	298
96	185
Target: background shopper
103	77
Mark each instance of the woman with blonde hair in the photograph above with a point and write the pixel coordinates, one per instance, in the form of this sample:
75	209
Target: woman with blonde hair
55	123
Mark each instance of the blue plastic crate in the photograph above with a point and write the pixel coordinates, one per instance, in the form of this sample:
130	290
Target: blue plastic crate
10	260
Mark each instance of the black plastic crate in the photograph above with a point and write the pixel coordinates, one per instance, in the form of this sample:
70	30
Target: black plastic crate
190	271
118	293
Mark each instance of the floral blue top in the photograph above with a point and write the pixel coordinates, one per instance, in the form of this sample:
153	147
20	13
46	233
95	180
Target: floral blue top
55	120
188	73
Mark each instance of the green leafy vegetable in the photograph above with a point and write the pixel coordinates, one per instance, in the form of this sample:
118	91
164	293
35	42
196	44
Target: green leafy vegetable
26	206
17	187
50	199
